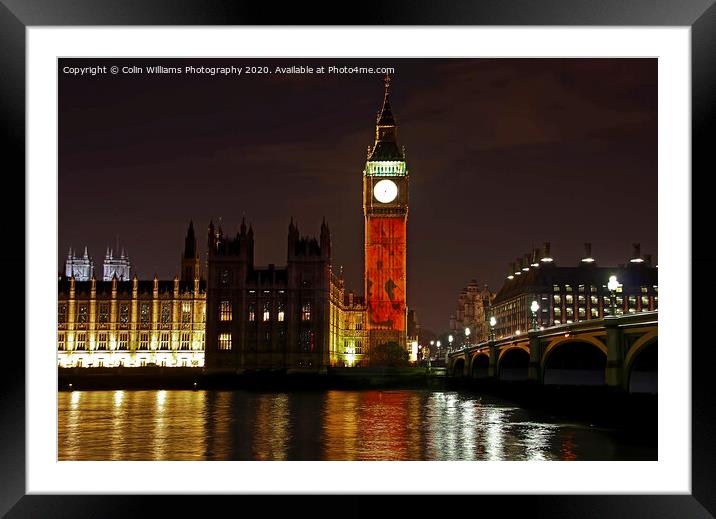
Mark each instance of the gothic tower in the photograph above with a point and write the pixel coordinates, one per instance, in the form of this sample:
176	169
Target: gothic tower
190	258
385	208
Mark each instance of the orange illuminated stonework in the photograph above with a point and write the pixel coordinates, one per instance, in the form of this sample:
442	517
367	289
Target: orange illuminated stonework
385	272
385	207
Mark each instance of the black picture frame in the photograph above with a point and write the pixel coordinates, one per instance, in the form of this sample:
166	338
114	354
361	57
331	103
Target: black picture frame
699	15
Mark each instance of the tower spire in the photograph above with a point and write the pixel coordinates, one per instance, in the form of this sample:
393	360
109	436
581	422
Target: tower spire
386	131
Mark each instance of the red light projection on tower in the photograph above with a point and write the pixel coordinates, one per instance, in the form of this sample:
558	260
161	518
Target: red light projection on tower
385	272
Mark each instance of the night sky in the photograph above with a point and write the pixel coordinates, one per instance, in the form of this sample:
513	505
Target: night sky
503	154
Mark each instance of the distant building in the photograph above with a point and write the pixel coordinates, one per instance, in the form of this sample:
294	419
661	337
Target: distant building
571	294
473	305
82	268
116	266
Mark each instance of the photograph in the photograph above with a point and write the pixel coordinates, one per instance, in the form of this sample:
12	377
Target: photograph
357	259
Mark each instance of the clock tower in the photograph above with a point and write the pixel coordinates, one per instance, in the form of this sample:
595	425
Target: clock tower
385	209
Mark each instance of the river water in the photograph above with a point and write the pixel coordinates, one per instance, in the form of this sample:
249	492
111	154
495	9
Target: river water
323	425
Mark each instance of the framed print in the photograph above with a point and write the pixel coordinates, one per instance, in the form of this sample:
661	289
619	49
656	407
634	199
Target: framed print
238	284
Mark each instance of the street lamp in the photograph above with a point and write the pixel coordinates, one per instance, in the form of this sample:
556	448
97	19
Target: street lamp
493	322
438	345
534	308
467	337
450	339
612	286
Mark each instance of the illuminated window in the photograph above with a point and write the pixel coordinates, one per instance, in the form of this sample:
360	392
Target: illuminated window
164	341
570	311
62	313
281	312
144	341
103	312
144	313
656	302
166	313
185	339
595	312
592	288
124	313
557	321
568	288
224	341
359	347
61	344
594	300
557	299
82	313
557	312
252	312
582	312
632	301
581	288
186	312
555	288
643	290
123	341
81	341
580	300
267	311
569	299
359	326
645	302
306	311
225	313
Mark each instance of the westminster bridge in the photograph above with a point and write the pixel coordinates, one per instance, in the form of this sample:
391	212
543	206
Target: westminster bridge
620	352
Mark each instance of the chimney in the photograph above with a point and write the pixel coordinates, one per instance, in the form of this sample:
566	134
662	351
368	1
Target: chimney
526	262
546	258
535	257
518	266
587	253
636	255
511	270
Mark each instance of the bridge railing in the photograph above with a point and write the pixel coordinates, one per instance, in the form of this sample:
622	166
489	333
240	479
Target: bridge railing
626	320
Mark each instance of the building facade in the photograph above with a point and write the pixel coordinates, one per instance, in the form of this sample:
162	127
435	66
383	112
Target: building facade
130	323
385	210
297	317
571	294
473	310
267	317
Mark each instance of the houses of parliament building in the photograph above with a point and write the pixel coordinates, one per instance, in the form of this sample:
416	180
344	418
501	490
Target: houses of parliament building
237	316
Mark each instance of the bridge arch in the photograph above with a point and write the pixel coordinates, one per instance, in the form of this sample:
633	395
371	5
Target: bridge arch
513	363
480	365
575	361
458	367
641	365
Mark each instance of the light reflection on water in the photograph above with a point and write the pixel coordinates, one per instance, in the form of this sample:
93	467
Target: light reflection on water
328	425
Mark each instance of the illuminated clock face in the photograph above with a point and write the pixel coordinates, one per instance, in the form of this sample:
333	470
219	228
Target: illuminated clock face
385	191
